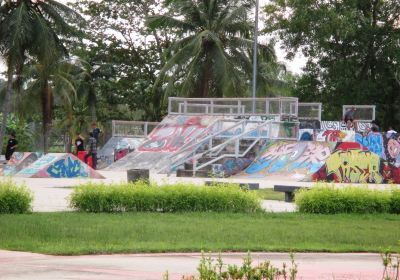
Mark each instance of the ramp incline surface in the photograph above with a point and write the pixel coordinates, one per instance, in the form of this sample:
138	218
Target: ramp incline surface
19	161
167	138
59	165
291	160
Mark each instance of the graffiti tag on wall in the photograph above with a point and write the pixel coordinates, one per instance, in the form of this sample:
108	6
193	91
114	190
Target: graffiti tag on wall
305	157
354	163
67	168
170	137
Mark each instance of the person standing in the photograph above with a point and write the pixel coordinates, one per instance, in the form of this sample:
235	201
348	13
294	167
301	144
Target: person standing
11	146
79	144
92	151
96	132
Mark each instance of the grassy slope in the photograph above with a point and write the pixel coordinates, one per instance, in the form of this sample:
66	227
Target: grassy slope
80	233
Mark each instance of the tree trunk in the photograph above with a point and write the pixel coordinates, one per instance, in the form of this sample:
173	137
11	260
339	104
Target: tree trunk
6	105
47	106
92	104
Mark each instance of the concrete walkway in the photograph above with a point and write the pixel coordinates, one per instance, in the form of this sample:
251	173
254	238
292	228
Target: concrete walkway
27	266
51	195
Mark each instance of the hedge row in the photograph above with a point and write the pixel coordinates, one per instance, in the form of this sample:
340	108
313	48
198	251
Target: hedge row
330	200
170	198
14	199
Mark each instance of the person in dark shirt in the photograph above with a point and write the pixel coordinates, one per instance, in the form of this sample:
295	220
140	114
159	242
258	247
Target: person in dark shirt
12	144
79	144
96	132
349	115
92	150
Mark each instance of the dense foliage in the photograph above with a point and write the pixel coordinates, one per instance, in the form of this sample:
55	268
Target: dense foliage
352	49
330	200
141	197
14	198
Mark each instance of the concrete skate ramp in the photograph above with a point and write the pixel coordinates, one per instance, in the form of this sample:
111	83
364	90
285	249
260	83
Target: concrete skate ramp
59	165
175	131
19	161
106	154
290	160
168	137
355	163
139	160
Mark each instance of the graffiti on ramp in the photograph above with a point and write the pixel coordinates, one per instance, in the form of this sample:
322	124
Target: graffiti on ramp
294	160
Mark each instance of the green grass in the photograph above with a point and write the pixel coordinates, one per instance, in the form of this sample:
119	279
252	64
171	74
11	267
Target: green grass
85	233
270	194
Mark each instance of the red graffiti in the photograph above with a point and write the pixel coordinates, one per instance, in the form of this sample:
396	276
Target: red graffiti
171	137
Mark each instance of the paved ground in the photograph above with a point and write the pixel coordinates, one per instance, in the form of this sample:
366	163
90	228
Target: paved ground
52	194
26	266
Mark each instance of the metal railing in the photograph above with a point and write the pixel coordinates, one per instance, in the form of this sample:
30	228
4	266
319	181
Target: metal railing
132	128
309	111
280	106
218	145
363	113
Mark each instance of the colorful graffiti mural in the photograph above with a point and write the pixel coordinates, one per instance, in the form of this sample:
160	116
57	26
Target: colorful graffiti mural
335	136
174	132
354	163
59	166
19	161
384	145
231	166
337	125
294	159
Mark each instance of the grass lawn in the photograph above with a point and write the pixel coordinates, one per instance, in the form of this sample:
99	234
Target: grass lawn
81	233
270	194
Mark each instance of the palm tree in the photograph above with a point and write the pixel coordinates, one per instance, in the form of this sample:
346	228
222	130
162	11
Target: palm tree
210	59
36	28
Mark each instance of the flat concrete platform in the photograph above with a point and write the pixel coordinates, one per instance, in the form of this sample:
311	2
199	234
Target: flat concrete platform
312	266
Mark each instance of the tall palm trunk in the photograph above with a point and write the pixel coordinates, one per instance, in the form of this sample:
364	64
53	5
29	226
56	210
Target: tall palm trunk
47	106
6	105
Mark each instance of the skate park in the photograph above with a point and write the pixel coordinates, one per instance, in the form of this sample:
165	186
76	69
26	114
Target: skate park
282	143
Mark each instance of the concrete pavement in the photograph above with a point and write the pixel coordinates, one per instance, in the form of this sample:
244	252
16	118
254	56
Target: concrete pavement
313	266
51	195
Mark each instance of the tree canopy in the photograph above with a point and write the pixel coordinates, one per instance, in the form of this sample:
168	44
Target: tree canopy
352	47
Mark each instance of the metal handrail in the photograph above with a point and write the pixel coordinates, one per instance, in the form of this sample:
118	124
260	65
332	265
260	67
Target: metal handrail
223	145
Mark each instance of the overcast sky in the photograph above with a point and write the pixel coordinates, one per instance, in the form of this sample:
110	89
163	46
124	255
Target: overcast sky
294	66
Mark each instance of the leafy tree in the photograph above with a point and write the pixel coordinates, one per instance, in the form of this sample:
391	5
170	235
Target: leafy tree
124	57
352	48
211	57
34	28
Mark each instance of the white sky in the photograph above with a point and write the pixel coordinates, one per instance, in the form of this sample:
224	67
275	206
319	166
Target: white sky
294	65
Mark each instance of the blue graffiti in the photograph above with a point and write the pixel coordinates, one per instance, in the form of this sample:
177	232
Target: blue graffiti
372	141
66	169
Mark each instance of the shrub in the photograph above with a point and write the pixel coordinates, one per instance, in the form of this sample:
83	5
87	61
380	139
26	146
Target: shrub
329	200
14	199
210	269
169	198
395	202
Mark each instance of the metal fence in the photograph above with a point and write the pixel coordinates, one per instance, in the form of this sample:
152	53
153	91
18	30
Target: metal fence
132	128
363	113
310	111
281	106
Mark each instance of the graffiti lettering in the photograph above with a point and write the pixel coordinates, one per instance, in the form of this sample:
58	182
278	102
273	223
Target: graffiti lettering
305	157
66	168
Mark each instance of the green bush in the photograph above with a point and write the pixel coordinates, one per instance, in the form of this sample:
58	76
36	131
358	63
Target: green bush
395	202
329	200
14	199
169	198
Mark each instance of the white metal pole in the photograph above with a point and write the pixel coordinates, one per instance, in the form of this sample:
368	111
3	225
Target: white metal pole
255	57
